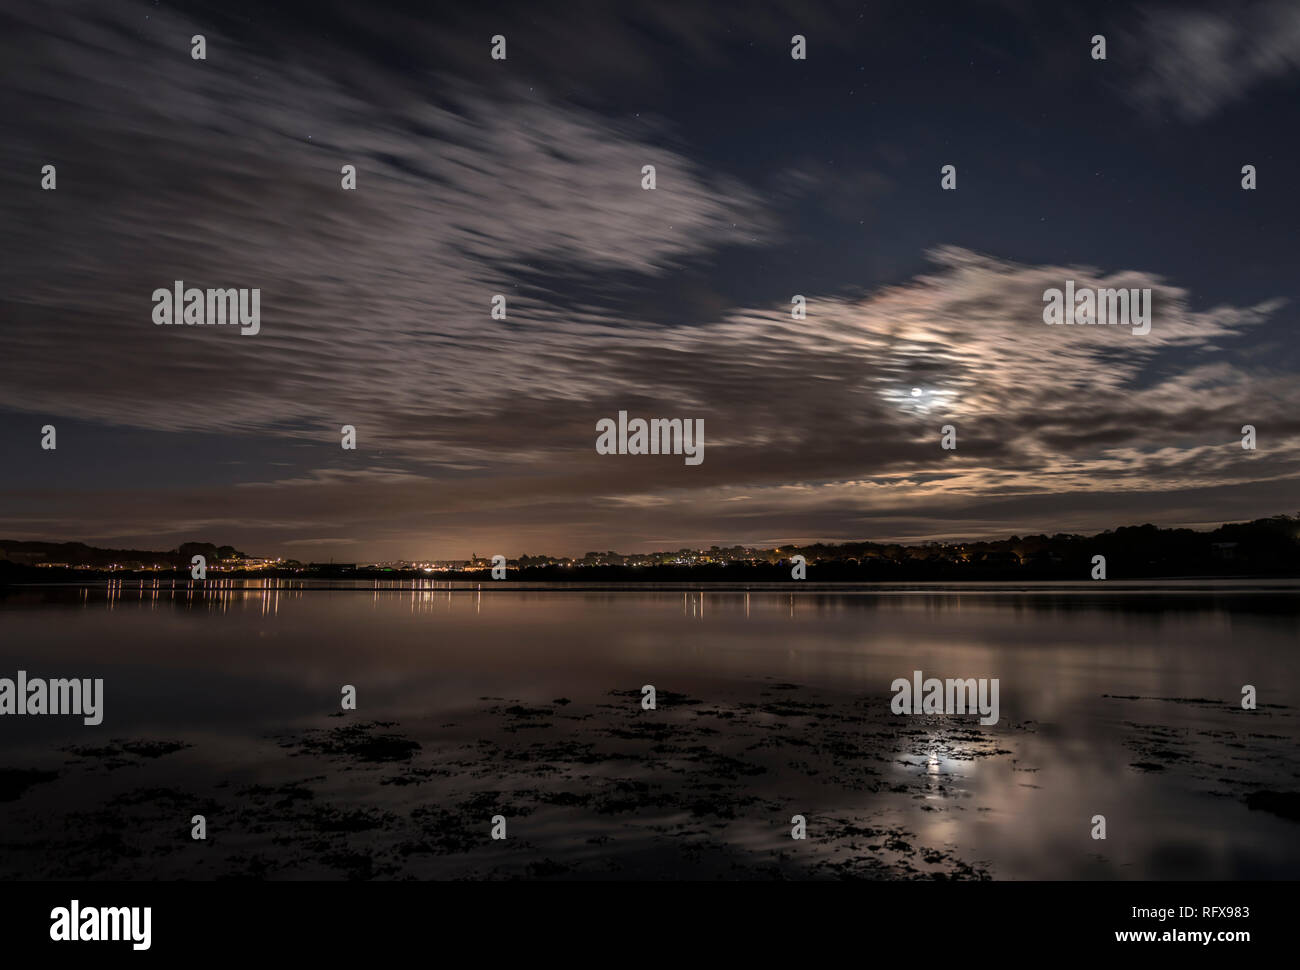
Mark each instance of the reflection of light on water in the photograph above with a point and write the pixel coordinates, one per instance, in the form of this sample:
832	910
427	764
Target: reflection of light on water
936	764
945	758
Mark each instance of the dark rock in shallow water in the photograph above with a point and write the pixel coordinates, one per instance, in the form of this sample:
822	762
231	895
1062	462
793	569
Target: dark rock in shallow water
358	742
15	781
118	753
1283	803
547	867
520	711
153	749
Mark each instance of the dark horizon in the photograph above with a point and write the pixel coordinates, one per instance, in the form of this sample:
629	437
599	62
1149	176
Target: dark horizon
1267	546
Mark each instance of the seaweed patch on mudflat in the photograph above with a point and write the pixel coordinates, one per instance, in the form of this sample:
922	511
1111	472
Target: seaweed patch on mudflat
1231	759
588	788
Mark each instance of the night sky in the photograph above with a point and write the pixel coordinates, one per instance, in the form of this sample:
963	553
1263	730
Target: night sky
522	177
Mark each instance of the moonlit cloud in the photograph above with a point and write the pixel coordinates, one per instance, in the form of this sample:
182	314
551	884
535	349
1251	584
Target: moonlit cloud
1200	61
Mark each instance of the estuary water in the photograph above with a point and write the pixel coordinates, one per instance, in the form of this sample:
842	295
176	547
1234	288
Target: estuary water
520	708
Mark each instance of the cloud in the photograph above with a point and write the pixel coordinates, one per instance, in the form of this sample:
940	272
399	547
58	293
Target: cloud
226	173
1197	62
812	425
476	433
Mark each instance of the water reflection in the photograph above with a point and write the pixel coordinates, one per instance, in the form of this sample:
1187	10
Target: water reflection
1121	701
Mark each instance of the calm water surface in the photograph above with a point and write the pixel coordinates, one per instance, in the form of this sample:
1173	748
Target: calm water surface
1120	700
